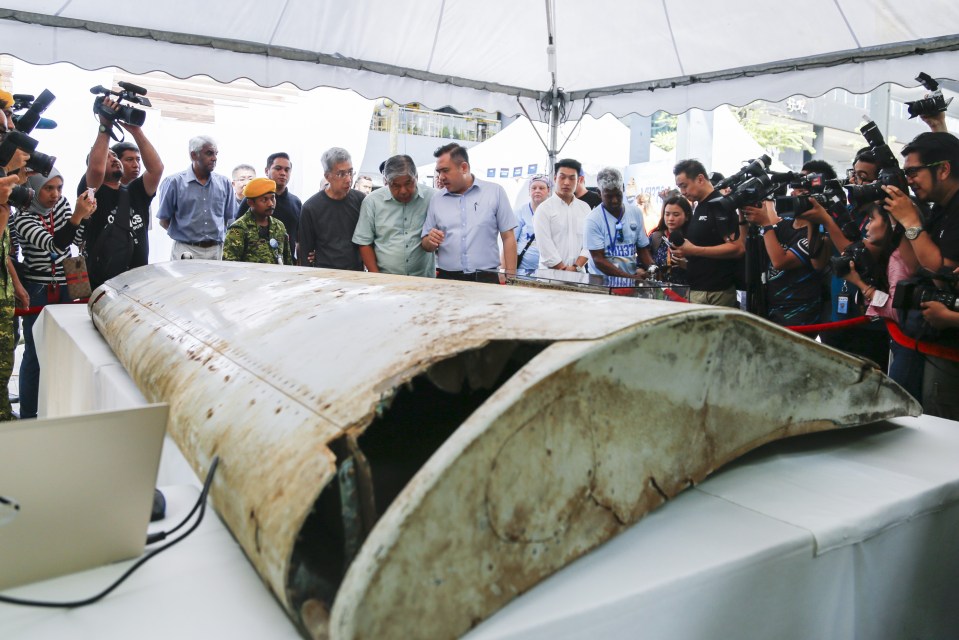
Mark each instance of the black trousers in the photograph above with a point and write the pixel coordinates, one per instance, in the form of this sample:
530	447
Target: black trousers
489	277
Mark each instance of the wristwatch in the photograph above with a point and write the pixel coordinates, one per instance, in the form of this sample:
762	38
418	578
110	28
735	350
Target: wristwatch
912	232
768	227
103	129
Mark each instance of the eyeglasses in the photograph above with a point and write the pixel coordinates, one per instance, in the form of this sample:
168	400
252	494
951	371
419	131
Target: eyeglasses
912	172
343	174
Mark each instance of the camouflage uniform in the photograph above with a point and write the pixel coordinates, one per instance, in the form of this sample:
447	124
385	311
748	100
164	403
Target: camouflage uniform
243	242
7	306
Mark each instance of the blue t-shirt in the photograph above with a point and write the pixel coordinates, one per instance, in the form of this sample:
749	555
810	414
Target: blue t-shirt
618	237
524	232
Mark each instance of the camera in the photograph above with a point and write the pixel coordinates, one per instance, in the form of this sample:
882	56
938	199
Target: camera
856	253
32	108
890	174
21	196
39	162
912	292
125	112
935	103
827	192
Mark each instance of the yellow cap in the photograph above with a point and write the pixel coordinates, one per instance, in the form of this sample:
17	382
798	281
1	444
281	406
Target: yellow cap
258	187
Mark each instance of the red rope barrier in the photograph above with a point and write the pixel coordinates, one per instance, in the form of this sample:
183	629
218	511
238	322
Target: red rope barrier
34	311
937	350
830	326
672	295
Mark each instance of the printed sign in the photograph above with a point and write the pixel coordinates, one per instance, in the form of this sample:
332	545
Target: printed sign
517	172
491	173
531	169
504	173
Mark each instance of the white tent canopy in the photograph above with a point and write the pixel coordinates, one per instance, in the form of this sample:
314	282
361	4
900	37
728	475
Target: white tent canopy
610	56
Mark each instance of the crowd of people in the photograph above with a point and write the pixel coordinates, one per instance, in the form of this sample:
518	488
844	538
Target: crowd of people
465	228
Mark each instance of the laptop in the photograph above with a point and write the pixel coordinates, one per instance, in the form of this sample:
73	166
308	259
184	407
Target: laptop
84	487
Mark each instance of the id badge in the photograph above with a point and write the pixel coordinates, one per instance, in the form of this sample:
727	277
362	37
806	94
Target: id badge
842	304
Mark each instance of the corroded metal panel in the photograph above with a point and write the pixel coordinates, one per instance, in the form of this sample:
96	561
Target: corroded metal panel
624	404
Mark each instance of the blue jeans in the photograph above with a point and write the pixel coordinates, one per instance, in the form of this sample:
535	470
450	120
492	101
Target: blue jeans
30	365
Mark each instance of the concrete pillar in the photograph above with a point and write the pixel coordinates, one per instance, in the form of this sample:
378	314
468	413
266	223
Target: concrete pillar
639	137
694	137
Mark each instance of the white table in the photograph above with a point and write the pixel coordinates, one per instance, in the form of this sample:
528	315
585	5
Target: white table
204	587
836	535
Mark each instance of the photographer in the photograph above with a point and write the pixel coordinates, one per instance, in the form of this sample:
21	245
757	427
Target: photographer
46	230
116	236
712	250
891	261
930	166
798	257
845	301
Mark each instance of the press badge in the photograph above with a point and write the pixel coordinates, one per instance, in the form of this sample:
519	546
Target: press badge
842	304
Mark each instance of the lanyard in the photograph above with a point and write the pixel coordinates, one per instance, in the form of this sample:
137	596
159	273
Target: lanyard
54	254
612	243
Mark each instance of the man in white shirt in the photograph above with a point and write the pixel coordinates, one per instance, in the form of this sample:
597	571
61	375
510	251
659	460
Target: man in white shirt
559	222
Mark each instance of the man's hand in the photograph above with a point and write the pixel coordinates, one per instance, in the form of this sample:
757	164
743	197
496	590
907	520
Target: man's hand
112	106
939	316
935	122
901	208
640	274
756	215
433	239
17	162
6	187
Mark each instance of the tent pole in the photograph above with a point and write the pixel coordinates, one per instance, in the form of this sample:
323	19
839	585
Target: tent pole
553	127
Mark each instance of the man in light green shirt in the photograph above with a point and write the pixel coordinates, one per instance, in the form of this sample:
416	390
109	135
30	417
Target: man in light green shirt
391	223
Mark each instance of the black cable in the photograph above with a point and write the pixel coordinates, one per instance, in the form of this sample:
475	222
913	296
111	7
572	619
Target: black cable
200	504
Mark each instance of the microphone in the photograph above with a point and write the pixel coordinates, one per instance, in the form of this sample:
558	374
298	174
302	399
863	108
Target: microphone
99	89
676	238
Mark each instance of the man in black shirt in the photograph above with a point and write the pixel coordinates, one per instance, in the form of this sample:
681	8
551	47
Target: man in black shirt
329	218
712	250
932	170
116	235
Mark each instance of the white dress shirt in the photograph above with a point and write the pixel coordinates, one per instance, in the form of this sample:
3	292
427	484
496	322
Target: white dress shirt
559	231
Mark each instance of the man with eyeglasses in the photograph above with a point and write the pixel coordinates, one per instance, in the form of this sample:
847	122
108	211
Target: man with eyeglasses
932	170
560	219
464	219
329	218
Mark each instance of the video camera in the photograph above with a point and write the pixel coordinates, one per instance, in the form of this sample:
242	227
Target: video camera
930	105
750	186
32	108
912	292
827	192
125	112
890	174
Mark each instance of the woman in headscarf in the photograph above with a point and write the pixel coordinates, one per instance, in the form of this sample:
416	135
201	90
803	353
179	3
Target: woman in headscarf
46	231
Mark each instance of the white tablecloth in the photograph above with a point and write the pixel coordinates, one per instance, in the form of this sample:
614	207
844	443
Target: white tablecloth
839	535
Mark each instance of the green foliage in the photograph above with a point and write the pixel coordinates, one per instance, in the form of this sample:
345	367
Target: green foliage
772	133
664	130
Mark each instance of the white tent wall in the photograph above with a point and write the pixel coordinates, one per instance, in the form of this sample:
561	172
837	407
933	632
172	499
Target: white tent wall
596	143
618	57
